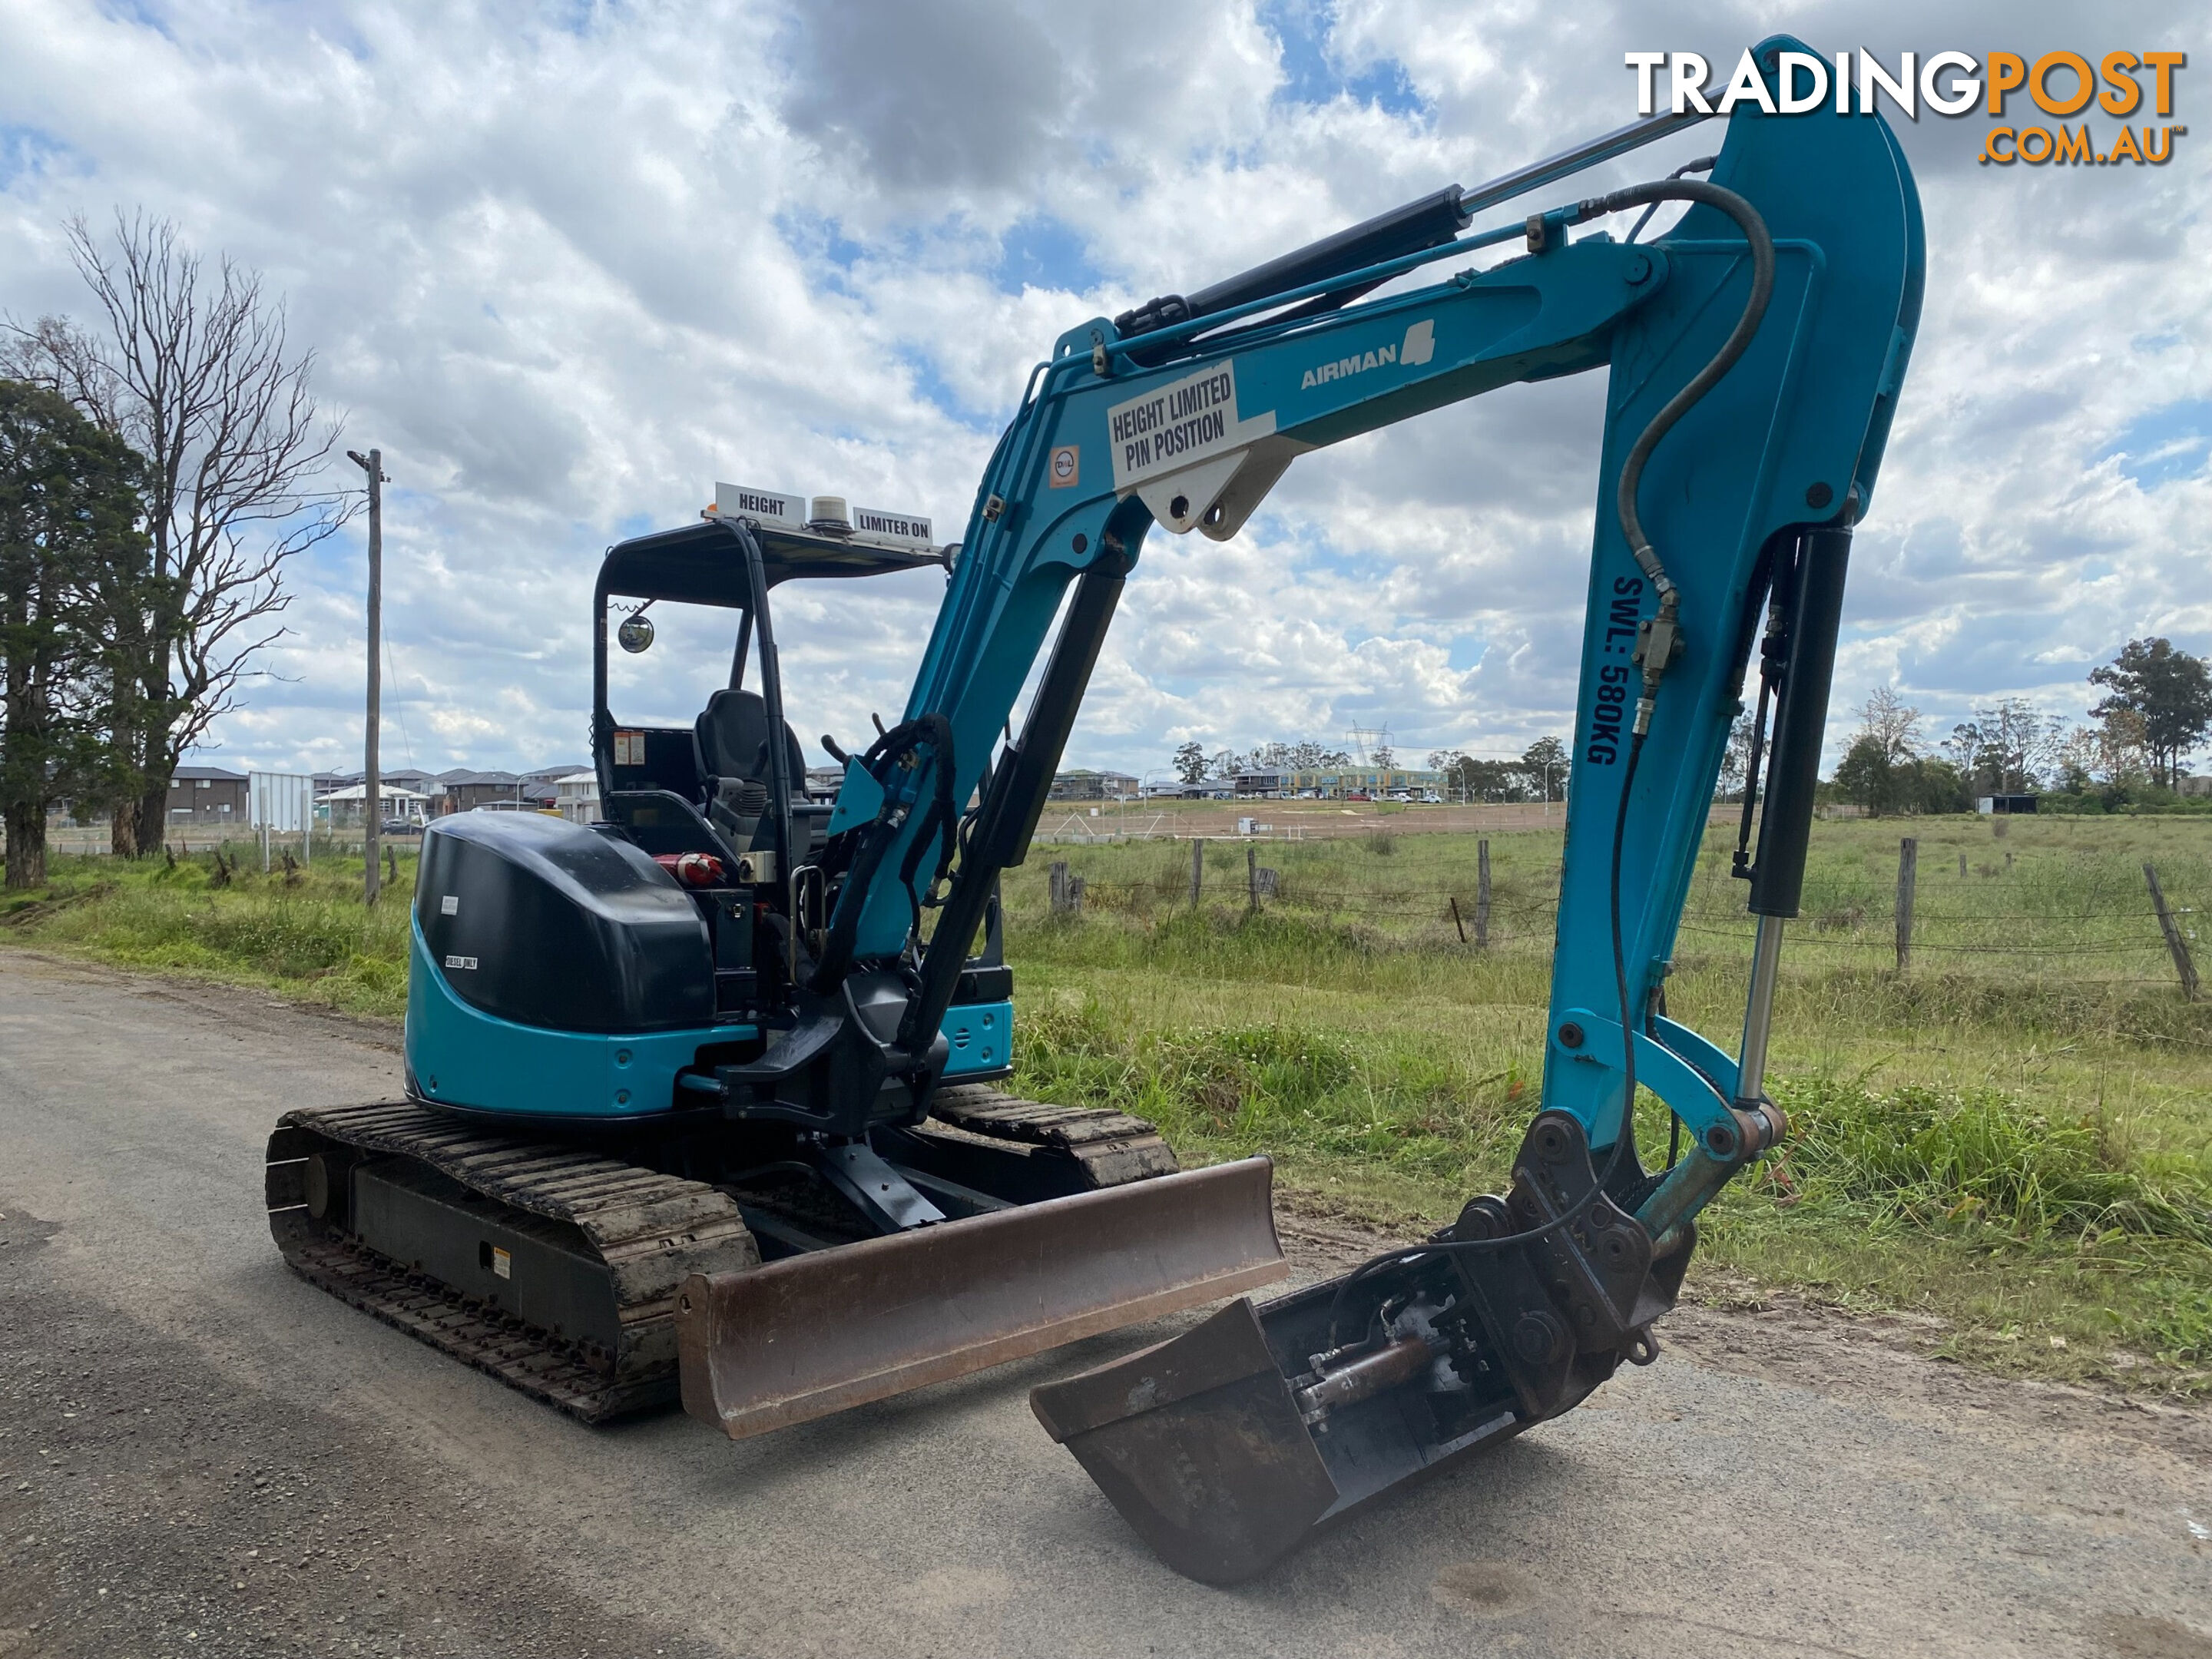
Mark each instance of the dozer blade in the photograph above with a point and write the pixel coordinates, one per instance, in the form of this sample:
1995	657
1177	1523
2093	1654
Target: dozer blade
813	1335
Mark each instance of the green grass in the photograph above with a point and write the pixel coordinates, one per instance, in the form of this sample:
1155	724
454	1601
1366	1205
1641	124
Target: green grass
311	938
2012	1139
2010	1143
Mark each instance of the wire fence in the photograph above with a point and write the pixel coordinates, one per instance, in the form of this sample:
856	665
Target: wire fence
2081	925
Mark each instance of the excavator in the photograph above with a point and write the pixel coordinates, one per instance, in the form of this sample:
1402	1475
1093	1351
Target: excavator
699	1098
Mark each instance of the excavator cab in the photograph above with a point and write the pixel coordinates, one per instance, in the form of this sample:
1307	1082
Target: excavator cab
720	786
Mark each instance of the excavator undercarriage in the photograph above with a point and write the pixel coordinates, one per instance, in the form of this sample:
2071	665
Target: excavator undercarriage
580	1273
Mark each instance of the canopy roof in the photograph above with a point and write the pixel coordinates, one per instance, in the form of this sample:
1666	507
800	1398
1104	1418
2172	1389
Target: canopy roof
703	564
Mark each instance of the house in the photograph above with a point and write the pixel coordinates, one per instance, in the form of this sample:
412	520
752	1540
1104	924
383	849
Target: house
1083	784
206	794
576	794
464	791
342	807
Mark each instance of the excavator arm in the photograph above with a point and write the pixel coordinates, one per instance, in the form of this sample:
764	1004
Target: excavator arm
1745	501
1756	352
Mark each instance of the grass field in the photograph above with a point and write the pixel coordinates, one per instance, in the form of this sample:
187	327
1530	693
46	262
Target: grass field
2011	1141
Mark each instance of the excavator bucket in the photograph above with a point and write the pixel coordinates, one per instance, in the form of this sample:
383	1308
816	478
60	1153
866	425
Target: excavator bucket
809	1335
1203	1446
1226	1447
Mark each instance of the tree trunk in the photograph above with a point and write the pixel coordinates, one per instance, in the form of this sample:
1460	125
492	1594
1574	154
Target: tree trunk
26	844
151	809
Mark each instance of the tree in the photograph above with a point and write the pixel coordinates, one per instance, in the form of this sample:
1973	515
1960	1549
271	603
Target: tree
196	373
1190	763
1735	760
2169	691
69	507
2005	748
1304	756
1881	770
1892	723
1473	779
1544	767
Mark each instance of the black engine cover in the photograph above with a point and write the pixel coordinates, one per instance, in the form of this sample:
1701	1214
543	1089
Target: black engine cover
547	923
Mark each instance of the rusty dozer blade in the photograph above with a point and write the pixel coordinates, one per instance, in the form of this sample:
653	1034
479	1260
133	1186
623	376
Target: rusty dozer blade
1226	1447
812	1334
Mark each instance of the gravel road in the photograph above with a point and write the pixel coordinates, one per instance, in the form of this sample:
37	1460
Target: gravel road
201	1454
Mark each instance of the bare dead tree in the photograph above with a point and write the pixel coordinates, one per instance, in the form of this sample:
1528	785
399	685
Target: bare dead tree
196	373
56	356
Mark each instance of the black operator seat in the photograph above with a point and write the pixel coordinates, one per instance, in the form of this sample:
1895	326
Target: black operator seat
732	734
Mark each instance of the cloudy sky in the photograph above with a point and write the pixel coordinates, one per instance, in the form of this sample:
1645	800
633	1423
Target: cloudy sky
570	263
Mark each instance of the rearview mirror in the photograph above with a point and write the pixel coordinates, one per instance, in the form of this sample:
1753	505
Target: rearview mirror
635	633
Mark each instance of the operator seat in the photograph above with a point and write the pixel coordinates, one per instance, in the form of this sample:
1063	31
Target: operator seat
731	734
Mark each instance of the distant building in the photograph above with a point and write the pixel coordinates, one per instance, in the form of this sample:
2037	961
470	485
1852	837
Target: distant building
1332	783
206	794
1084	784
1992	804
342	807
2195	785
464	791
577	796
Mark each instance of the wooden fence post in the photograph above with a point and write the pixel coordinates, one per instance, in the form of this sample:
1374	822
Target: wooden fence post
1251	877
1482	894
1962	864
2177	946
1908	859
1197	869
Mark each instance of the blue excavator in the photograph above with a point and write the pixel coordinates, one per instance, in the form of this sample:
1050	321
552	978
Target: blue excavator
700	1098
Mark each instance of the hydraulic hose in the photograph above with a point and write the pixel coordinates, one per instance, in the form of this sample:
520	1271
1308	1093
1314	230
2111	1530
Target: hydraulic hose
1754	311
1657	651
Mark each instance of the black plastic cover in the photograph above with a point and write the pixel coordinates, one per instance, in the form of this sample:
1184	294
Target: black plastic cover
561	927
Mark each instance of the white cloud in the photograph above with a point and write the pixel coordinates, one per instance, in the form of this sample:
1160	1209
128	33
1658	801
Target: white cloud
567	276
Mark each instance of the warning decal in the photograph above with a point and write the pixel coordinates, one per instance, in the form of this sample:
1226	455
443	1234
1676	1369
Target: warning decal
1171	427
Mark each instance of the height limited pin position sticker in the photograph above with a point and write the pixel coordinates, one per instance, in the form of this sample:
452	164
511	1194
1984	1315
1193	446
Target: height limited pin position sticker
1066	466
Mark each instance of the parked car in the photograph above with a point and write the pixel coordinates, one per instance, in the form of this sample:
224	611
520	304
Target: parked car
400	827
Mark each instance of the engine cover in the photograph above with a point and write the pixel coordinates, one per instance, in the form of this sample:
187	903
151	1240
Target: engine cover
549	924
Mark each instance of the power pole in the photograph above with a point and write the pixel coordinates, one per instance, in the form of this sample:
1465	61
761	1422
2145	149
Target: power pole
372	797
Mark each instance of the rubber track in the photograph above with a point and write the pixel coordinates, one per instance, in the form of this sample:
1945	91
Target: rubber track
566	1376
1112	1147
652	1230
